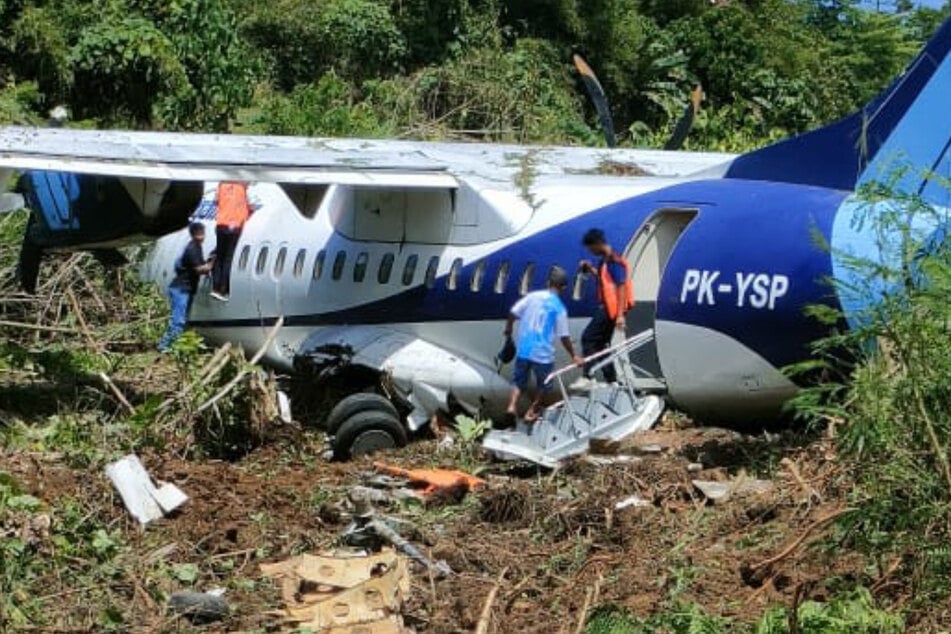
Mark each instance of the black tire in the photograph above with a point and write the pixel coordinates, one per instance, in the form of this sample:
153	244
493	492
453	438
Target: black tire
367	432
354	404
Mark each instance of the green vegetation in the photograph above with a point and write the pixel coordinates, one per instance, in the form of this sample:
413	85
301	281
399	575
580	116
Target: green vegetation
889	396
480	69
850	614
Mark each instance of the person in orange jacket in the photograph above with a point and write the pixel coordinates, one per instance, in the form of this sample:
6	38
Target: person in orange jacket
615	299
233	210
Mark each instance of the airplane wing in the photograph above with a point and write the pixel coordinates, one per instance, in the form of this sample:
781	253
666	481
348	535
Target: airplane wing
91	189
199	157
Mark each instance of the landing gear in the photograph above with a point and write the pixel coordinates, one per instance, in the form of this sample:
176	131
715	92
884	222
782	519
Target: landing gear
364	423
354	404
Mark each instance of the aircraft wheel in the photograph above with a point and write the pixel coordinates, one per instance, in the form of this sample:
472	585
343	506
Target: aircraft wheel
354	404
368	432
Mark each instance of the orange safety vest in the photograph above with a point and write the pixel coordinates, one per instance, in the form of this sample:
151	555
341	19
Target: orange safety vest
233	208
607	289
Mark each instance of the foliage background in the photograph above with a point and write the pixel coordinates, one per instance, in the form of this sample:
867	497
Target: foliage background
493	70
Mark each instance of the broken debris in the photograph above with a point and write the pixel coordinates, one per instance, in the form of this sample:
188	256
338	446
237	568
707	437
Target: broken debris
631	500
141	498
343	595
433	481
199	607
718	492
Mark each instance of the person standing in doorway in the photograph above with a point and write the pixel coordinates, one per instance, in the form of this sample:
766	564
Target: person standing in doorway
188	270
542	319
615	299
233	210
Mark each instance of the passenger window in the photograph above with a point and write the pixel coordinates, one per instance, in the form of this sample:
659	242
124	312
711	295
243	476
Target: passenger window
244	257
299	262
502	277
340	260
386	268
452	280
279	261
431	269
577	290
478	274
526	283
260	265
360	266
409	271
319	264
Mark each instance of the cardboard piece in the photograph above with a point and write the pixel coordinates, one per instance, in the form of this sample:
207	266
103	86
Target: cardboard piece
343	595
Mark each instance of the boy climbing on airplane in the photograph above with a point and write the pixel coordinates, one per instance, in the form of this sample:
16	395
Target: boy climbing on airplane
542	318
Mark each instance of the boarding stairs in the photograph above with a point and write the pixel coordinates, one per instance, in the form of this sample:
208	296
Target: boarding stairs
607	412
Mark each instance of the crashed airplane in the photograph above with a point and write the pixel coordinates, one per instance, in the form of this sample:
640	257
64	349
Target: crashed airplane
392	265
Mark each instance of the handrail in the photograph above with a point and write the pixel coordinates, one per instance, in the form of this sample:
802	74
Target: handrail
632	342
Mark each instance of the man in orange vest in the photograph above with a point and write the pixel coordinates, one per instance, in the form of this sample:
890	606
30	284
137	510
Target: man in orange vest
234	209
615	299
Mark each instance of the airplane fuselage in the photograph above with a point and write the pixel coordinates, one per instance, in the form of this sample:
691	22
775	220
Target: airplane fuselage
723	270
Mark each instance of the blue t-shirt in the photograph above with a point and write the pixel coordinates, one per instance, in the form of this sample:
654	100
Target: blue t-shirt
542	318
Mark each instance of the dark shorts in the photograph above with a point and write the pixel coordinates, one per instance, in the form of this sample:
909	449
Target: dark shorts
524	368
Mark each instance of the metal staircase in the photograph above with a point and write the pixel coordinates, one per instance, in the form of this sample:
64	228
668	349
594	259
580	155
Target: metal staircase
607	411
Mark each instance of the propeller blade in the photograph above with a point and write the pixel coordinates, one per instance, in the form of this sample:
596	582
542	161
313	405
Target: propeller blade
682	129
598	98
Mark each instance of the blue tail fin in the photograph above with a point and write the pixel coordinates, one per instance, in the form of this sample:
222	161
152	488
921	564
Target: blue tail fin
909	122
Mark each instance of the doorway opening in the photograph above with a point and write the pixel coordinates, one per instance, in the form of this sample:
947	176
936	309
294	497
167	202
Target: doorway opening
648	254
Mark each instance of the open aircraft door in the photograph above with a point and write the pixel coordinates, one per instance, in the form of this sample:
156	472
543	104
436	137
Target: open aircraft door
648	254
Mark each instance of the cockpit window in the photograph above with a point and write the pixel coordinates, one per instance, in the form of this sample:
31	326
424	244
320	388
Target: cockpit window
299	262
244	257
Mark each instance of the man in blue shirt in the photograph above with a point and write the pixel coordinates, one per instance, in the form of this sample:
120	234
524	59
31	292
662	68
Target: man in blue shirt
542	318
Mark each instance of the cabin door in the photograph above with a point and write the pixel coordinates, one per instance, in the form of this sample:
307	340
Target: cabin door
648	254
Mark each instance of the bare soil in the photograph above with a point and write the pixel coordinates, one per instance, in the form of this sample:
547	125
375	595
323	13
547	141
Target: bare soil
556	536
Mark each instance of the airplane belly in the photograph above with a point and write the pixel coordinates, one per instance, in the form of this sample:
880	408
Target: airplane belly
716	378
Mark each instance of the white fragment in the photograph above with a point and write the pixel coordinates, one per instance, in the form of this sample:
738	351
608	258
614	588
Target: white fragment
714	491
141	498
284	407
603	461
631	500
694	467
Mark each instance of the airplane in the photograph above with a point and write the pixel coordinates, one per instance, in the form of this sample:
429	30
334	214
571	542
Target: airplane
391	265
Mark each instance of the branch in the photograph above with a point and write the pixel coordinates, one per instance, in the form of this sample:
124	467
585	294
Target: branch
243	373
483	626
